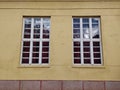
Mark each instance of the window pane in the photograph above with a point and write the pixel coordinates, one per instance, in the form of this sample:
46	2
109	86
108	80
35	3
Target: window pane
37	22
85	20
97	61
45	43
26	43
76	30
45	60
86	55
25	54
35	60
26	49
76	25
36	49
96	49
45	35
76	49
76	35
35	43
77	61
76	43
76	54
86	33
86	49
35	54
27	20
97	55
76	20
86	43
27	25
45	49
87	61
45	54
95	20
96	43
25	61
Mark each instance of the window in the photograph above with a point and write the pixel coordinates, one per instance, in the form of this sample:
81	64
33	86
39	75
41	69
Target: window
35	42
86	41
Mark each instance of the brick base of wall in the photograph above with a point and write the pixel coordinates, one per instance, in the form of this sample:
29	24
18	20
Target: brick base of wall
58	85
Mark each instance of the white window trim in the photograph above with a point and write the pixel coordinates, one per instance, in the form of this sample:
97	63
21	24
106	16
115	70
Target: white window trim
91	42
31	44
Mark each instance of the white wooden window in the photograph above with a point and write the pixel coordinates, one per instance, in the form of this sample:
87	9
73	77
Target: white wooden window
87	41
35	41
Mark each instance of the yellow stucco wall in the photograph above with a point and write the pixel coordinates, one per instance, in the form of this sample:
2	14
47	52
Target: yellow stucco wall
61	67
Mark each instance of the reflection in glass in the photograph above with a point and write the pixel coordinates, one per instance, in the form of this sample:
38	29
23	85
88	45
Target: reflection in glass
76	20
76	25
95	20
76	36
27	20
86	34
76	30
85	20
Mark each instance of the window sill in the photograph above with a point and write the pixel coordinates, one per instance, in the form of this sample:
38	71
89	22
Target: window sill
88	66
34	66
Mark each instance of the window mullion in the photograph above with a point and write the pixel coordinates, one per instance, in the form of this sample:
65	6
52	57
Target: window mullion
31	41
41	35
81	41
91	41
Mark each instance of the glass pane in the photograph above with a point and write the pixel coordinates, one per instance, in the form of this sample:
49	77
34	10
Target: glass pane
95	20
96	49
27	36
46	20
45	43
46	31
26	49
86	49
97	61
76	36
45	55
45	60
26	43
87	61
97	55
35	60
86	43
27	31
95	31
35	43
77	61
25	61
76	55
96	43
76	43
35	49
25	55
35	55
27	25
36	36
27	20
85	20
45	49
76	30
86	55
45	35
37	22
46	26
76	20
37	31
86	34
85	25
76	49
76	25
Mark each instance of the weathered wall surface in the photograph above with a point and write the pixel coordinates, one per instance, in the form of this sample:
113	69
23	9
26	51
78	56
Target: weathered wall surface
61	67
